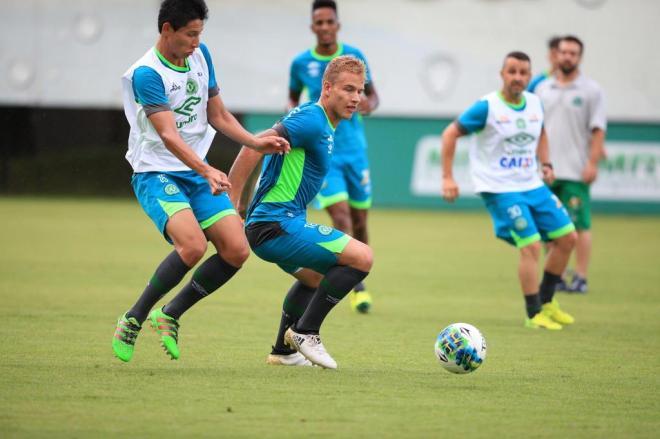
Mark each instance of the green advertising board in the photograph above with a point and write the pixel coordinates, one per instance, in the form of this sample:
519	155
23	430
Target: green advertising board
404	155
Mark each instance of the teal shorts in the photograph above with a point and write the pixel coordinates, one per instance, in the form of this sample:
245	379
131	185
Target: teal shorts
347	180
522	218
162	194
293	244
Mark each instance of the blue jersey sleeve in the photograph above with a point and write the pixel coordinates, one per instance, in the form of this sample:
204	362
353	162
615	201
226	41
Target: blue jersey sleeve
536	80
303	128
295	83
213	84
148	87
474	118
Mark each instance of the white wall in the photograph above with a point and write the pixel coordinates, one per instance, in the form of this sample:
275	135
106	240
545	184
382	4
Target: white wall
428	57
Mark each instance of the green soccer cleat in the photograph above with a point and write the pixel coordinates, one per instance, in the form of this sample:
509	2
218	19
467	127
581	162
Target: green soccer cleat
123	342
540	320
168	329
360	301
552	310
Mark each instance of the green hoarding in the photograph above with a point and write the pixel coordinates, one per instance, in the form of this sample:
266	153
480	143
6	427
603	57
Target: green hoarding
404	154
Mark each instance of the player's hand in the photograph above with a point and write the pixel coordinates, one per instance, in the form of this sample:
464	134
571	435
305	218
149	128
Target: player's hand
468	358
449	189
364	107
217	180
548	174
589	173
272	145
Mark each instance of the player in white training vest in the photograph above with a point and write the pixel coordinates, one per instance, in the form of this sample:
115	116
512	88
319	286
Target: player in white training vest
508	141
172	103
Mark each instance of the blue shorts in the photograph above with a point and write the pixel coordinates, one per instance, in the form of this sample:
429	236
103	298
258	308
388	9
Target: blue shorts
522	218
162	194
294	244
347	179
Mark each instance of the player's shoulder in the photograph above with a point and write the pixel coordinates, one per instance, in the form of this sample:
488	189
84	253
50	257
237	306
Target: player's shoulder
302	57
531	97
589	83
352	50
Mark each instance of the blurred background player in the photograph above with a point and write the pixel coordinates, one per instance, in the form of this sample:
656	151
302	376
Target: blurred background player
508	141
172	103
326	262
346	191
553	50
575	121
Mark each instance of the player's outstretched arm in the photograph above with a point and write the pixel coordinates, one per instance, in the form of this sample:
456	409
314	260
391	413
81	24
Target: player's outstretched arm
222	120
449	137
165	125
243	166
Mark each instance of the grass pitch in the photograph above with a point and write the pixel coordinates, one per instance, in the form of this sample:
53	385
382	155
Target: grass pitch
69	268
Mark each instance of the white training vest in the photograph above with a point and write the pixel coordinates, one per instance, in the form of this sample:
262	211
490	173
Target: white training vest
503	154
187	93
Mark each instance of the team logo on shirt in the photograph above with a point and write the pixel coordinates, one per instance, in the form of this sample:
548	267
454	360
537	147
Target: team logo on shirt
325	230
521	139
314	69
191	86
520	123
577	101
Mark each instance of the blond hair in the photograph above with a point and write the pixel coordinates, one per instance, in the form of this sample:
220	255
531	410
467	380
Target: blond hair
344	63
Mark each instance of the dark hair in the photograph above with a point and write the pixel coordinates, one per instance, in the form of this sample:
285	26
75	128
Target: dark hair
574	39
553	42
521	56
178	13
318	4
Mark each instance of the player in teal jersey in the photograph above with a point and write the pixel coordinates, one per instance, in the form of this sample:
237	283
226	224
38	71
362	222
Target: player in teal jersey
346	191
173	106
326	262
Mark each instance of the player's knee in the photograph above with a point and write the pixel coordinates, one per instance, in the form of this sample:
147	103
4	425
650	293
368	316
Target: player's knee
365	259
193	252
567	242
236	254
531	251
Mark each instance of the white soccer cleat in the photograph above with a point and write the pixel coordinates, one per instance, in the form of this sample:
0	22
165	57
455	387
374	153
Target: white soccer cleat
295	359
311	347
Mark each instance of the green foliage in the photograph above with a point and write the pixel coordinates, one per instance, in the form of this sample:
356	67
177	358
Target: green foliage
69	268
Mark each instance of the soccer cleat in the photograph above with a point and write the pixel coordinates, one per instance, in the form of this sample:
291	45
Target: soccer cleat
578	286
562	286
360	301
294	359
540	320
123	342
552	311
311	347
168	329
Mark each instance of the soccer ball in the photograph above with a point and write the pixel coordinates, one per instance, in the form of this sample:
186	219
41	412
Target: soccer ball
455	337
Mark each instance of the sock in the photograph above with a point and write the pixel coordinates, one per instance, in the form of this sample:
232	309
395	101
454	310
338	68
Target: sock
548	285
211	275
168	275
294	306
359	287
336	284
533	304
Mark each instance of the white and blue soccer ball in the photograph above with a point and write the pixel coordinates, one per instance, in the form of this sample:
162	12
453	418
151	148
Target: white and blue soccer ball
460	338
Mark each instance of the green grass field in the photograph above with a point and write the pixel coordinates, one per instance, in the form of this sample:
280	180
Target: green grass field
69	268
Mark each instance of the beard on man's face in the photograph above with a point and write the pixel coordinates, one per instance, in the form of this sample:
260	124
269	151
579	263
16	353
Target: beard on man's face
567	69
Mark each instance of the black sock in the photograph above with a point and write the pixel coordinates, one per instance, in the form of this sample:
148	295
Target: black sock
208	277
336	284
294	306
359	287
548	285
168	275
533	304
